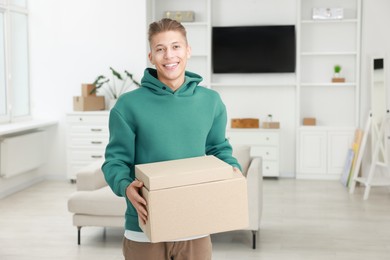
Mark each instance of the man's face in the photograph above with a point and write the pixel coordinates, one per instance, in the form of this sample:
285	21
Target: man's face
169	52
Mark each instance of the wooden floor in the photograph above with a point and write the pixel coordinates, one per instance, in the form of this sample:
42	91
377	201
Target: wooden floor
311	220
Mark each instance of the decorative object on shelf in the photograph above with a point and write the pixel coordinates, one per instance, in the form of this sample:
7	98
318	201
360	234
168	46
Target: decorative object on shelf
270	124
245	123
180	16
336	76
309	121
117	86
88	101
325	13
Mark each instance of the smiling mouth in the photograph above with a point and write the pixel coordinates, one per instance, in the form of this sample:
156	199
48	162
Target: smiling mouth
171	65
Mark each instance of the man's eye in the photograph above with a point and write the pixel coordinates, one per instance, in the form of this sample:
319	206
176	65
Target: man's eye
176	46
159	50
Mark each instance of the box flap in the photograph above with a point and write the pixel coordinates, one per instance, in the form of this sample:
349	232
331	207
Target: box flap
174	173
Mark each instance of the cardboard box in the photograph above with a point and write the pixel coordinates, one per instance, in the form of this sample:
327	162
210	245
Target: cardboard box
309	121
88	103
271	125
86	90
245	123
192	197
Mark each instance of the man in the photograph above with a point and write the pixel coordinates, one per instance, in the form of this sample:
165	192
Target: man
169	117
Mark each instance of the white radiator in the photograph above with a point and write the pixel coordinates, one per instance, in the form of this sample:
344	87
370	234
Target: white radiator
21	153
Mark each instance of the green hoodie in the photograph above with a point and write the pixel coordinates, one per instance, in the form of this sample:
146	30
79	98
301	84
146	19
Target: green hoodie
154	123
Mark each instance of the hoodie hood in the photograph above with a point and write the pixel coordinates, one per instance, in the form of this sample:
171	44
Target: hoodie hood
151	82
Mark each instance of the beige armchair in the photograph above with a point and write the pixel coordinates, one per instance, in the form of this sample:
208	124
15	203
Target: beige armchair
252	170
94	204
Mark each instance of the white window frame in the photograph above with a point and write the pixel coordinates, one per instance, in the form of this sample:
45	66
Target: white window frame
6	7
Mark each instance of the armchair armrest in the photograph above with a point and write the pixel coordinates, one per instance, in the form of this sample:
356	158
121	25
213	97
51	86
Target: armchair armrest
255	192
90	177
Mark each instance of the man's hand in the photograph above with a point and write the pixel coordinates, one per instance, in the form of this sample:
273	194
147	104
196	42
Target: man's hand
139	203
236	170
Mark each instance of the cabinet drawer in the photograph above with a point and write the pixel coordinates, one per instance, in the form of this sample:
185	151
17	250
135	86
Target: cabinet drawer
88	142
253	138
270	169
88	119
90	129
86	155
267	153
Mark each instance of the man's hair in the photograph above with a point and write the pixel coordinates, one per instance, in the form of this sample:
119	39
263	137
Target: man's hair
164	25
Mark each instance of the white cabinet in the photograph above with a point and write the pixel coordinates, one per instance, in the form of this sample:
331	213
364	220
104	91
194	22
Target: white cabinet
264	143
87	138
323	152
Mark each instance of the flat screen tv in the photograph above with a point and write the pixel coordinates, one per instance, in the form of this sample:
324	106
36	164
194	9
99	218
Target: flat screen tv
253	49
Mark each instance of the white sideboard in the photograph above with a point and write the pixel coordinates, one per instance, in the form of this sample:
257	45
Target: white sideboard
87	138
323	151
264	143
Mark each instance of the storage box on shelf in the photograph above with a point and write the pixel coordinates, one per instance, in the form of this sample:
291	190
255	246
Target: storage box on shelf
264	143
87	138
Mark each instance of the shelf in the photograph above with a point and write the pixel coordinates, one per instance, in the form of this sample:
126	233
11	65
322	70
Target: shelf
326	84
325	21
252	85
198	55
326	128
186	24
329	53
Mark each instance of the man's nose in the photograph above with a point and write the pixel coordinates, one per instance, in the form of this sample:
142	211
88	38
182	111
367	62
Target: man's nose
168	53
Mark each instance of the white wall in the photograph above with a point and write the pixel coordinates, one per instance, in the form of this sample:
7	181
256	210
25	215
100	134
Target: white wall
72	42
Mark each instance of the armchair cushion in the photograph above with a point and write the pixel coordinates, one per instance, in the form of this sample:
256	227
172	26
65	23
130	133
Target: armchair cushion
91	177
242	154
100	202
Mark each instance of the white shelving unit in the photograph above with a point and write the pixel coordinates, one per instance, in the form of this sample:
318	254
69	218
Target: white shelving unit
321	45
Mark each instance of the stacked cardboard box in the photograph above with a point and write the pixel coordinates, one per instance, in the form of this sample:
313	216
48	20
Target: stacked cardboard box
192	197
88	101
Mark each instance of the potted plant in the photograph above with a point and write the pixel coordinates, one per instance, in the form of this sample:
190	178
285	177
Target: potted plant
114	87
336	75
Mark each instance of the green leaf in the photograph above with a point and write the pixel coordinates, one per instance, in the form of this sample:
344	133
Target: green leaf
116	74
98	79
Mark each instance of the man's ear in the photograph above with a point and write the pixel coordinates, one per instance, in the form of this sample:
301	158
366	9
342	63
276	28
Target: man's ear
150	57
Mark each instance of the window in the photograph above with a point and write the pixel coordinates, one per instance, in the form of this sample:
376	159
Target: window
14	70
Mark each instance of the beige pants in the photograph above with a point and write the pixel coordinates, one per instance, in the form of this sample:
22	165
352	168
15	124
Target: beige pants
197	249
